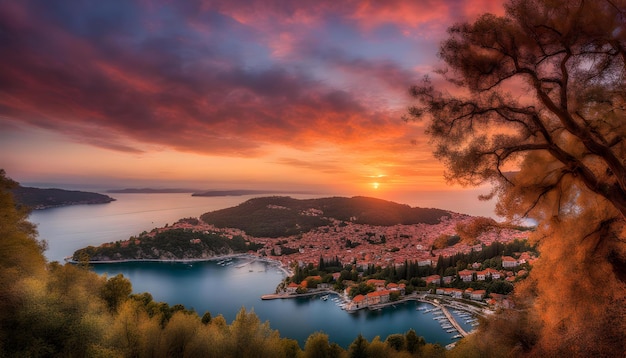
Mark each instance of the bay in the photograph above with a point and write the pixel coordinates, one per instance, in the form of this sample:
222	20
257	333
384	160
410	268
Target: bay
69	228
207	286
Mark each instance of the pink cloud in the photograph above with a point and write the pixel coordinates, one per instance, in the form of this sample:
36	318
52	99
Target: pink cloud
205	78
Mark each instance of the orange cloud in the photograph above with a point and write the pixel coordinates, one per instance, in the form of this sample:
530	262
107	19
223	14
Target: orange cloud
227	79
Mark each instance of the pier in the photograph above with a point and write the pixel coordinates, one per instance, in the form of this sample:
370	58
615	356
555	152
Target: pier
453	321
276	296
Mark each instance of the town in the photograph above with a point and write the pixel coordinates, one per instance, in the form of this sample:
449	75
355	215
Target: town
437	258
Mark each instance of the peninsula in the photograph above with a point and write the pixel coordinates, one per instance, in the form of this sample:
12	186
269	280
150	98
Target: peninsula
176	243
37	199
360	230
241	192
151	191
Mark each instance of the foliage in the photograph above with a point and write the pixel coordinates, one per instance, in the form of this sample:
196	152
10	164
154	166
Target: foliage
169	244
115	291
285	216
358	348
37	198
468	232
444	241
538	112
361	289
49	309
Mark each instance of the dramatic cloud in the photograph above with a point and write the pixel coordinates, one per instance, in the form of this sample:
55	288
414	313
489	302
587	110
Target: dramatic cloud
225	78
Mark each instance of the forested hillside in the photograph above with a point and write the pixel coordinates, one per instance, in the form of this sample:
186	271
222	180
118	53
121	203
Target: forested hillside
36	198
279	216
178	244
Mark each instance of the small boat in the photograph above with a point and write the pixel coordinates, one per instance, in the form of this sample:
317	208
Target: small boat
457	336
324	298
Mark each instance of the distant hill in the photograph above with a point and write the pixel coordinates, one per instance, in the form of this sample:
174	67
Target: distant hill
37	198
280	216
177	244
240	192
150	191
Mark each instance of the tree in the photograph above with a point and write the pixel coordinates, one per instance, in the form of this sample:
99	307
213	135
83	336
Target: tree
115	291
536	108
179	333
413	341
395	341
206	317
358	348
317	346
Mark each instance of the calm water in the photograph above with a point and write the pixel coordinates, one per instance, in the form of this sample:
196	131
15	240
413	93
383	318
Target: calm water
70	228
207	286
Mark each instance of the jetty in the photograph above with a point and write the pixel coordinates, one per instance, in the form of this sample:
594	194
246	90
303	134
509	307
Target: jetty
453	322
246	263
275	296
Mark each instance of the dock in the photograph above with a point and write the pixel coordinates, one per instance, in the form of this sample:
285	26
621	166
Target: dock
276	296
453	321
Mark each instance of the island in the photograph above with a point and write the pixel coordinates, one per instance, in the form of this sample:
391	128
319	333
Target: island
38	199
151	191
241	192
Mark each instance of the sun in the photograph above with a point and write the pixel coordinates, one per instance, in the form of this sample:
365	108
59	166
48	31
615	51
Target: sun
376	181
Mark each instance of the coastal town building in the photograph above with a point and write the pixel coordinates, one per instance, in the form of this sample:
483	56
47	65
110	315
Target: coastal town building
292	287
433	280
478	295
509	262
466	275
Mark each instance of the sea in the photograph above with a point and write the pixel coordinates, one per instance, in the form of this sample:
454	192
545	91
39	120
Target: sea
220	288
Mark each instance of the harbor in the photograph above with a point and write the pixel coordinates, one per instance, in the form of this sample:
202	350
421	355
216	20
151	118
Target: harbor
440	312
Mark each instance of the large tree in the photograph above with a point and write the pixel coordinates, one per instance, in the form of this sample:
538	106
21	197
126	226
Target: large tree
534	103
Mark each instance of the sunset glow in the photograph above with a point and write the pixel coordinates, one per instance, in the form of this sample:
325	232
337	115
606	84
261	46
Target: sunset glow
215	94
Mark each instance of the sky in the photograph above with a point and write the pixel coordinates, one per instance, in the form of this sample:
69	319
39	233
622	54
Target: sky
251	94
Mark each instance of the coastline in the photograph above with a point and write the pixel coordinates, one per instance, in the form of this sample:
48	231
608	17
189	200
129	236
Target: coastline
424	298
269	261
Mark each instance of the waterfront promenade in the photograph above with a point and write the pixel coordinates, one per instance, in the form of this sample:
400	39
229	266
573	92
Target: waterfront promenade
414	297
